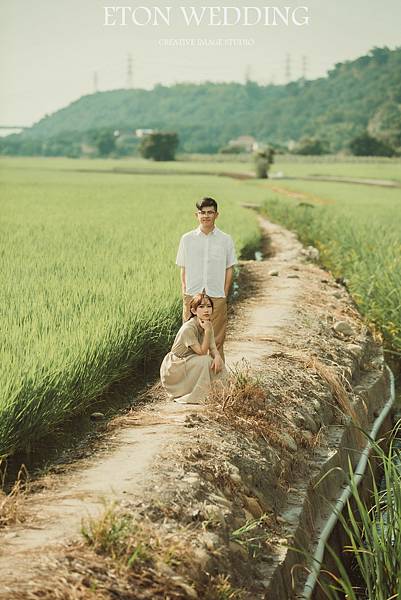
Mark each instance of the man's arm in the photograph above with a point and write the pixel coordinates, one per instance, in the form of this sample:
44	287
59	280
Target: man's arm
228	280
183	284
231	260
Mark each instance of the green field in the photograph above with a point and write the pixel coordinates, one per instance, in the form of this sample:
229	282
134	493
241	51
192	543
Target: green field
357	229
289	166
357	167
90	290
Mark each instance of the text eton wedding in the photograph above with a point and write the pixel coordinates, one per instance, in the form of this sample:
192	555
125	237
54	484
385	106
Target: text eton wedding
215	16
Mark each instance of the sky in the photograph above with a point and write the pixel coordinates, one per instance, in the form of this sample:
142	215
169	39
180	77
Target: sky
54	51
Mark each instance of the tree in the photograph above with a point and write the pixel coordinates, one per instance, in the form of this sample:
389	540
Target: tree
365	145
159	146
311	147
263	157
105	143
385	125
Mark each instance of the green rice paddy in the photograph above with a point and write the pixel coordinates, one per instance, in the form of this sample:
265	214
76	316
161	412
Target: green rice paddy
90	290
357	230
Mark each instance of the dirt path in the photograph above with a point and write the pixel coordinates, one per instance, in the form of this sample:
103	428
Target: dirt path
389	183
265	323
55	514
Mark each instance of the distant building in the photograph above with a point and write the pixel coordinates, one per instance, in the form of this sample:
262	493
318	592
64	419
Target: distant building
142	132
246	143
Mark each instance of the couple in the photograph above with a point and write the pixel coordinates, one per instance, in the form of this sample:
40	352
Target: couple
206	257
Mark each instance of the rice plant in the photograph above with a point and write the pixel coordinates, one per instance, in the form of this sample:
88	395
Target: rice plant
90	291
358	233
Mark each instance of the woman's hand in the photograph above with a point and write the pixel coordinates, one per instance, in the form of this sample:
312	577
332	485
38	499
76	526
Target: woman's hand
217	363
206	325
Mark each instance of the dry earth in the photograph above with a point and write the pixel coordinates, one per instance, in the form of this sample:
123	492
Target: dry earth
214	495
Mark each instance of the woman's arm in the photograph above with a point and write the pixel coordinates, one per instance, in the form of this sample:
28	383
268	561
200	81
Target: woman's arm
207	339
217	363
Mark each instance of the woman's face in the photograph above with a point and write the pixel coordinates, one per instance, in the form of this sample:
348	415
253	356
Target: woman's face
204	310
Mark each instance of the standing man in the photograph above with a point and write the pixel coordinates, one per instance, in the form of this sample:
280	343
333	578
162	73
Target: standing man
206	257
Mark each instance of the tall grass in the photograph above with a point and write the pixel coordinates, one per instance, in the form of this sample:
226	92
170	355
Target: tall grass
90	290
373	534
358	233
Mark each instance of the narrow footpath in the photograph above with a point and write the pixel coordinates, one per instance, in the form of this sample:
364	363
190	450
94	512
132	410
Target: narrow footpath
289	314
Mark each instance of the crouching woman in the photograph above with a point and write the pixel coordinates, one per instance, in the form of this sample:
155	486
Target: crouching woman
194	363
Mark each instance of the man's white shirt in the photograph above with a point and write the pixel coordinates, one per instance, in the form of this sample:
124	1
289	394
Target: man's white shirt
205	259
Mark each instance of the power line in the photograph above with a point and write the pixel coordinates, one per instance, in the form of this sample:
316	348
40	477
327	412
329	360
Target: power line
288	68
129	71
304	66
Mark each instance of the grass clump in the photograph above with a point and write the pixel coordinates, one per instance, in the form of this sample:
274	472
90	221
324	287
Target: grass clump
261	403
253	535
132	542
373	535
12	502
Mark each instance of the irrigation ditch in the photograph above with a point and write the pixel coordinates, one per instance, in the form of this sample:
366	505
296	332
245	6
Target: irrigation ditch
220	499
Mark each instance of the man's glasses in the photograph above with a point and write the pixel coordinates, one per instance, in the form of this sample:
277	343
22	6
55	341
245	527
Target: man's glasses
206	213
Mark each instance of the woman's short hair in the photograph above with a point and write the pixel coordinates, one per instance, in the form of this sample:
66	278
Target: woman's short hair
197	301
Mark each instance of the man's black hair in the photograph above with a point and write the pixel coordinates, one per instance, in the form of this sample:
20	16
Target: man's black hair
206	202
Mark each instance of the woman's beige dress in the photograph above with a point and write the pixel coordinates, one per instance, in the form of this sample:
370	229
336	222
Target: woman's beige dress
185	375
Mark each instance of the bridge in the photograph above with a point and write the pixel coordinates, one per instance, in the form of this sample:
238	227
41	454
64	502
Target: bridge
14	127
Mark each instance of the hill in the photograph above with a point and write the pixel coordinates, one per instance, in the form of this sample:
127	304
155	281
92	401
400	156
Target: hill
354	96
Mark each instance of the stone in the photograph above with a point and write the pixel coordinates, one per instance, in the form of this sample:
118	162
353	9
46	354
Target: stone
355	350
288	442
211	512
292	276
273	273
343	327
281	520
235	478
311	253
253	506
211	540
238	549
191	479
202	558
308	436
97	416
220	500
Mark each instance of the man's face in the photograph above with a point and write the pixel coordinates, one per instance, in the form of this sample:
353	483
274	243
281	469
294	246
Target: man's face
207	216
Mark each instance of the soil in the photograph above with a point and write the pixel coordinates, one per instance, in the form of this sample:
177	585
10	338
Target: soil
205	473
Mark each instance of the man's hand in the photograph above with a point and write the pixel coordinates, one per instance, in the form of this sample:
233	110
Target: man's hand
217	364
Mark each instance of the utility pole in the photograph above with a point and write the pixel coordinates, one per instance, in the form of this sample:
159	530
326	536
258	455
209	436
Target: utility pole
288	68
129	72
247	74
95	82
304	66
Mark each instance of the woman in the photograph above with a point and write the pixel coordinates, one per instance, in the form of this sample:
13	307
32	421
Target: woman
194	362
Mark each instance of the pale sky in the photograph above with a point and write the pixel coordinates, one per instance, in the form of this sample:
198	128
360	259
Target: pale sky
50	49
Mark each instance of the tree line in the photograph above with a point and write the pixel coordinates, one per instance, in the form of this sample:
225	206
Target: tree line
357	99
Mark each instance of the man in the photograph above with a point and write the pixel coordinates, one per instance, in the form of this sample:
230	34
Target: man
206	256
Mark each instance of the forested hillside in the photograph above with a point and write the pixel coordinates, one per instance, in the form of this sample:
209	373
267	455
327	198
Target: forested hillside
359	95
